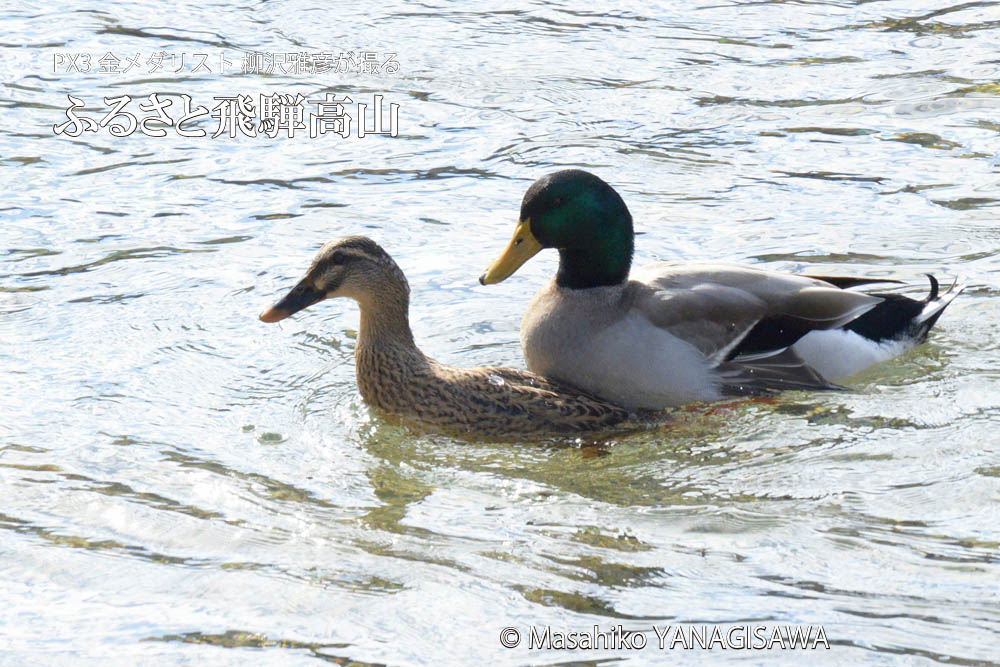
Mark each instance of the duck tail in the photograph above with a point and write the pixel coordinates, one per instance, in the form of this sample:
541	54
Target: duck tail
934	305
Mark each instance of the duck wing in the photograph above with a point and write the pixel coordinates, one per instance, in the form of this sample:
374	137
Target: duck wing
744	319
847	282
759	375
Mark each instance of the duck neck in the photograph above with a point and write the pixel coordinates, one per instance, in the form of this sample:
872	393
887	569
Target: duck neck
385	349
601	264
385	321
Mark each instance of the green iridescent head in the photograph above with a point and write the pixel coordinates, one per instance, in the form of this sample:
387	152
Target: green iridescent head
584	219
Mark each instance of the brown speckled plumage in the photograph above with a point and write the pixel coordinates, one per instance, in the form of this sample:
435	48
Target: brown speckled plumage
395	377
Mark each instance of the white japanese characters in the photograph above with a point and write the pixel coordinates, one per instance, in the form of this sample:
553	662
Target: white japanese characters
235	115
251	62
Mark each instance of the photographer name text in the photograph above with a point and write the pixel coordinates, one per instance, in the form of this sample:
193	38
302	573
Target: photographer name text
671	637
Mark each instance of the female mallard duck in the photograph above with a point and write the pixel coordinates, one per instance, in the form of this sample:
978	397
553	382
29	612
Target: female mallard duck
395	377
677	332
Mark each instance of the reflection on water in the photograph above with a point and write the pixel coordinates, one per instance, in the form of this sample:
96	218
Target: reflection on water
178	482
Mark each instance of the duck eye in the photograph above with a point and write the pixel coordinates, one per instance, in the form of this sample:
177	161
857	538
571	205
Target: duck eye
558	201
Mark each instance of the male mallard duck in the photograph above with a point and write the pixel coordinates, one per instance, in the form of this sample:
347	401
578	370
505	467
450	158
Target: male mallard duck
677	332
396	377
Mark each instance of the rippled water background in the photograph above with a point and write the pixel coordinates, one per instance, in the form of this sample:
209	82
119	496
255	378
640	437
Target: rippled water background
180	482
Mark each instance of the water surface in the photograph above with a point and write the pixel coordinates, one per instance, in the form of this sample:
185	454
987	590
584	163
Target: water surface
182	483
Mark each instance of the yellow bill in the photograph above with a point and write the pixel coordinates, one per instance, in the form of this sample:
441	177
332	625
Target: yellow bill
522	247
